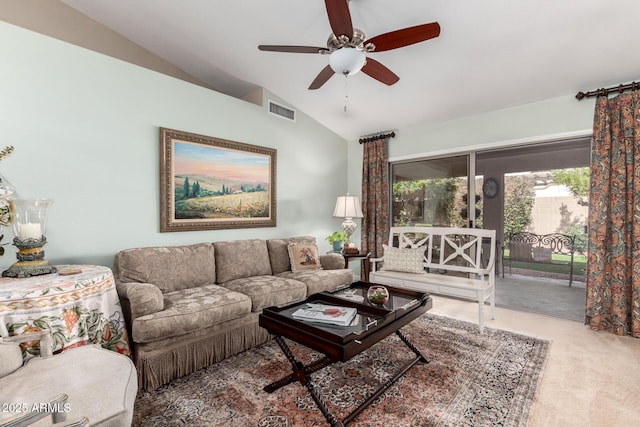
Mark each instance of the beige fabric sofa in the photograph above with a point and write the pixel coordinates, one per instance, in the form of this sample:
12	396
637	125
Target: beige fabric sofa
187	307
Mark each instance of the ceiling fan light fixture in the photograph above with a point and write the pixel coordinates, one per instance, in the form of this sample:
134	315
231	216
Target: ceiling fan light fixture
347	54
347	60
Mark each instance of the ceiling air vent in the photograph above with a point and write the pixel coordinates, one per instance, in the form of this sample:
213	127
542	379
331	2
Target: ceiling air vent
282	111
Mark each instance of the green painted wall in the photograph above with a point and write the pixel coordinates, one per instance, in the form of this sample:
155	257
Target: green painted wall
85	131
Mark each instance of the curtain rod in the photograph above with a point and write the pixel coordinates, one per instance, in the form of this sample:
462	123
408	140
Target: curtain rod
605	91
377	137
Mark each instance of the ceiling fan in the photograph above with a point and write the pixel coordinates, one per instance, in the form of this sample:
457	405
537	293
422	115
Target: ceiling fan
347	46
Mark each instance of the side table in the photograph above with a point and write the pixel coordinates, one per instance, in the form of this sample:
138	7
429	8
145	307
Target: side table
359	256
78	309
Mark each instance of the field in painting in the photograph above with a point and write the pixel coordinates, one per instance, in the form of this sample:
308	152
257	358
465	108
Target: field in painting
211	198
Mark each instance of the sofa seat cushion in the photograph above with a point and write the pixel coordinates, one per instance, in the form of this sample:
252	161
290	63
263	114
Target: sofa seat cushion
321	280
190	310
269	291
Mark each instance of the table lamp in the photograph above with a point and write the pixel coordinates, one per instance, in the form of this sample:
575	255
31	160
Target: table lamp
348	207
29	228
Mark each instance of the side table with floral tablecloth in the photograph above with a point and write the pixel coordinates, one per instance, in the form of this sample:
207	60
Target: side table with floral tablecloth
79	308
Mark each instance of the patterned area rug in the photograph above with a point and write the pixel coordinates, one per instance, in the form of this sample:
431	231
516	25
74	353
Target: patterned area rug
472	380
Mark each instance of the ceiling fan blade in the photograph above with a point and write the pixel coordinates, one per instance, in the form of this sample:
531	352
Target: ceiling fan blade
339	18
404	37
322	78
379	72
292	49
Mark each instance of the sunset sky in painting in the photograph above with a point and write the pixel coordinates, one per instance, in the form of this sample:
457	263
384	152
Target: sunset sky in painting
192	159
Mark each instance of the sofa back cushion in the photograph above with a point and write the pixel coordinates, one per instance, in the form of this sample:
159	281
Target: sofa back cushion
170	268
279	252
237	259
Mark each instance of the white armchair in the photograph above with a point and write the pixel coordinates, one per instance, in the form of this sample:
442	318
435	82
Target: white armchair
54	408
88	384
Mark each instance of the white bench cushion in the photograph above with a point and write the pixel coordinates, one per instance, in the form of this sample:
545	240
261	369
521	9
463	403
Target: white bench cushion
442	284
461	281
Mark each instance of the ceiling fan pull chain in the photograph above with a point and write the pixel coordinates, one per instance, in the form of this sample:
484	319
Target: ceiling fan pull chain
346	92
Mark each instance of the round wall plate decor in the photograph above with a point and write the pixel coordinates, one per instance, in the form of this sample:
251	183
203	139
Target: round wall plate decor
490	188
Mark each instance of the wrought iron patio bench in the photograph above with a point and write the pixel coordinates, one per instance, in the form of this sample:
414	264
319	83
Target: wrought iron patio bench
531	247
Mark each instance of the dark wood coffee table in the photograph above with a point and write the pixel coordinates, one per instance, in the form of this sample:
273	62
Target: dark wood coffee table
373	323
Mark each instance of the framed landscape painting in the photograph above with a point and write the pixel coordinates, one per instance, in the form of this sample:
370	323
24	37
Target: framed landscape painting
209	183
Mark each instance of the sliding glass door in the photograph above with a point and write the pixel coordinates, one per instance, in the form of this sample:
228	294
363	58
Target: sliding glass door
434	192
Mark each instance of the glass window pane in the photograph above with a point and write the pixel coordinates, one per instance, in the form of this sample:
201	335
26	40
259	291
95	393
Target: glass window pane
431	192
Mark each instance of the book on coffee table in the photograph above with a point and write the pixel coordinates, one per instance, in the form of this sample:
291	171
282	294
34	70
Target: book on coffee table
327	314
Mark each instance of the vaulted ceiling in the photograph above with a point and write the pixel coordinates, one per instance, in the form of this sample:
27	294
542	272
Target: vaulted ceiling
490	54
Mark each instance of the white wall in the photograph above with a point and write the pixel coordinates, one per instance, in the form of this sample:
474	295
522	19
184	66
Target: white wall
85	131
555	209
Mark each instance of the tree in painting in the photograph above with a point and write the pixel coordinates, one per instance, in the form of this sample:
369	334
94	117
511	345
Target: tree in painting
212	182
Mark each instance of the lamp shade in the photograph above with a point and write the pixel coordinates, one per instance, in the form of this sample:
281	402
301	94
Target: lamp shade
347	60
347	207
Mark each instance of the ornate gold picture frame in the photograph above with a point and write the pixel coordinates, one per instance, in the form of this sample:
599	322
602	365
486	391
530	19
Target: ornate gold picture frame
209	183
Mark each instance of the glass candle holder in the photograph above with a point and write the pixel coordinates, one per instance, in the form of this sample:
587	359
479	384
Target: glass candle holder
30	221
29	228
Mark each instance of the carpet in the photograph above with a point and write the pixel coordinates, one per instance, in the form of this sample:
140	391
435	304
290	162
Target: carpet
471	380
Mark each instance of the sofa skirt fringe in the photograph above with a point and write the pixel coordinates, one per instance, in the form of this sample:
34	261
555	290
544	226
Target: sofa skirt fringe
159	366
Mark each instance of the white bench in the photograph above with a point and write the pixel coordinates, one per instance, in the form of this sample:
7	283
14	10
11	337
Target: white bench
452	263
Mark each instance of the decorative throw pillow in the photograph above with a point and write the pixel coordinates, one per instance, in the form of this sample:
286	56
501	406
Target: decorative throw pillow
408	260
279	252
304	256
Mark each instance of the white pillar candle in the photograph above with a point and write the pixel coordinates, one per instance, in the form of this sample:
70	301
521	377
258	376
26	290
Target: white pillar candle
29	231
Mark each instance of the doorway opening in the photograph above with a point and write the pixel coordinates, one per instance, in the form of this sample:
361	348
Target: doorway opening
543	197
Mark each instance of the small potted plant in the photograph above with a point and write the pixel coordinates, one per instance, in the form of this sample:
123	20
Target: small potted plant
337	239
378	294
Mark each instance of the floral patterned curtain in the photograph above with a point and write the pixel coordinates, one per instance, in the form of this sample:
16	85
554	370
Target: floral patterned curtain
613	268
375	197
